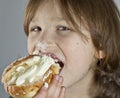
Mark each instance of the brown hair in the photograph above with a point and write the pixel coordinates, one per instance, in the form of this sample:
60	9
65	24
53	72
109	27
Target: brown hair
103	19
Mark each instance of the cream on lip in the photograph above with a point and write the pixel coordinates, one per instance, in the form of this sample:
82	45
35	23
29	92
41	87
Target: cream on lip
59	56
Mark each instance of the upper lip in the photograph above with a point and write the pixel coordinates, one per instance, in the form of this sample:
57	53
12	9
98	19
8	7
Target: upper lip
54	56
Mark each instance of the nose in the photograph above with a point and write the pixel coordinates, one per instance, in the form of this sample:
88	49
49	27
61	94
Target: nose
40	46
44	46
45	40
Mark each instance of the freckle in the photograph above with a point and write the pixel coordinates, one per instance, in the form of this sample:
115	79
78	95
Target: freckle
77	43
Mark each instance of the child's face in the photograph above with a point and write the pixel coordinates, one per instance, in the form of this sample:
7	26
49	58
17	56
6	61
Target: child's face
48	26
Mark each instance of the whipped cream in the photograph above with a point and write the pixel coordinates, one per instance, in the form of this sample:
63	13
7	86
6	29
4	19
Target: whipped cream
36	68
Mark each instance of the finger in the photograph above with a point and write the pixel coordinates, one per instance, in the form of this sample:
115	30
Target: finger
53	86
57	92
62	93
42	93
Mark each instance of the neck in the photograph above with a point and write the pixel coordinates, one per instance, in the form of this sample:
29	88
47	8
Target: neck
81	88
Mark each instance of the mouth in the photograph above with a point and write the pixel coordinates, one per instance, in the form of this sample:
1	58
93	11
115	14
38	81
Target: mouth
56	59
53	56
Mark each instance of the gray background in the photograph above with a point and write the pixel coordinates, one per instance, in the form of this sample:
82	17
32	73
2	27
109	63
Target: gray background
12	38
13	41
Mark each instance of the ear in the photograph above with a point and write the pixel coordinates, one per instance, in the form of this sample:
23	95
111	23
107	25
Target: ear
100	54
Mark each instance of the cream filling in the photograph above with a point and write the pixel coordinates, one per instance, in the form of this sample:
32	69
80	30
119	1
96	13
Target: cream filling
35	70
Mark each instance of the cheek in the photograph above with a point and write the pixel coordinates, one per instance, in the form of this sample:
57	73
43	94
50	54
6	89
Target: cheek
83	54
80	55
80	58
30	45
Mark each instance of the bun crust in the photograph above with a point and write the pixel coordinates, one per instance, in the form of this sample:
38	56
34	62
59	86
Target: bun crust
27	90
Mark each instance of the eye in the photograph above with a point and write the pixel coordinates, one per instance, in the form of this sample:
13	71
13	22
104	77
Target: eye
36	29
62	28
63	31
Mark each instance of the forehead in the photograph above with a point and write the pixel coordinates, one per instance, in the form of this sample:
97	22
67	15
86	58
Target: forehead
48	9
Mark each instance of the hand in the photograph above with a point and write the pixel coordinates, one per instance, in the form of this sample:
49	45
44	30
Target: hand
55	90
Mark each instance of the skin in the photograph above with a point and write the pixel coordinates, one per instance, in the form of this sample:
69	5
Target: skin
78	55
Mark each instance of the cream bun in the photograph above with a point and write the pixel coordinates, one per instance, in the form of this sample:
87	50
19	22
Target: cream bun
25	76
